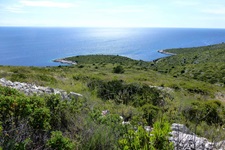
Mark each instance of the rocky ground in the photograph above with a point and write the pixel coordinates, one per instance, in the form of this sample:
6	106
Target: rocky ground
31	89
184	139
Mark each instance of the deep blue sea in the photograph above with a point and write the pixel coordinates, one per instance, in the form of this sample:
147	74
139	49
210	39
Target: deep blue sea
33	46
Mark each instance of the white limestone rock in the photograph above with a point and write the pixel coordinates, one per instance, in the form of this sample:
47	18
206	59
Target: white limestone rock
30	89
180	128
74	95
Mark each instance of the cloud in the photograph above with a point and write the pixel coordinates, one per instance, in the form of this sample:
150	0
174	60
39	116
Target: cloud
12	9
186	3
215	11
15	9
46	4
120	10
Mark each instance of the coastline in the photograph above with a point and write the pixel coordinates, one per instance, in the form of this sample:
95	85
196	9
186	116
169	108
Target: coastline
166	53
63	61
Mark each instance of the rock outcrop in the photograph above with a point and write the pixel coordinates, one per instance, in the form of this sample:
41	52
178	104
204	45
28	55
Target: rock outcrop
184	139
30	89
63	61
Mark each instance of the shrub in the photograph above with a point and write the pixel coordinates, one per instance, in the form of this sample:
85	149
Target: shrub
40	119
210	111
143	140
59	142
135	94
150	113
160	134
118	69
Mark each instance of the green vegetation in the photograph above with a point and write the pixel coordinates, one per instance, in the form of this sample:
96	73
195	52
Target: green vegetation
26	121
142	140
58	141
118	69
102	59
201	63
186	88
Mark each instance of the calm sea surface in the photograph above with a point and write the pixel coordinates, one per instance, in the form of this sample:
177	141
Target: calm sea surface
25	46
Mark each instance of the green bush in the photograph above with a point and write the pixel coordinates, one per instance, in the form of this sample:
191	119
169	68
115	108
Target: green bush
101	131
134	94
212	112
55	104
25	122
6	91
40	119
59	142
141	139
150	113
160	134
118	69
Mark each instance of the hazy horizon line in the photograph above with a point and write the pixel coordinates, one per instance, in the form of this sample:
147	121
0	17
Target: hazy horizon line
109	27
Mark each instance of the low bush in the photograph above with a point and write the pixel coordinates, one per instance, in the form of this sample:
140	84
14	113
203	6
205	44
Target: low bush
118	69
142	140
59	142
211	112
134	94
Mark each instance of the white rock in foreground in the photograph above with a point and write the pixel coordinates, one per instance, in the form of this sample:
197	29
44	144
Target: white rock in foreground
183	139
30	89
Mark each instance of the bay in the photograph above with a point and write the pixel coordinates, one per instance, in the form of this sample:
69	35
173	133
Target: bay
36	46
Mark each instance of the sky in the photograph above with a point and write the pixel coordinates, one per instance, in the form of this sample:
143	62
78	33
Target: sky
113	13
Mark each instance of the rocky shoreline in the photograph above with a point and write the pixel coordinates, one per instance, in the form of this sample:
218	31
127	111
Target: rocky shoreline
63	61
166	53
31	89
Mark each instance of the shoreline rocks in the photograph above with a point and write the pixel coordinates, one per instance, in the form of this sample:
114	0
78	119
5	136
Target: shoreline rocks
31	89
63	61
166	53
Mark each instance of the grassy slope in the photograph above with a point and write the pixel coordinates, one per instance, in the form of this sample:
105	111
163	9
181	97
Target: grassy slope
185	89
200	63
74	78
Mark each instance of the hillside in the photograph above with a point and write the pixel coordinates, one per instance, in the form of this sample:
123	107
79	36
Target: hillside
200	63
175	89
